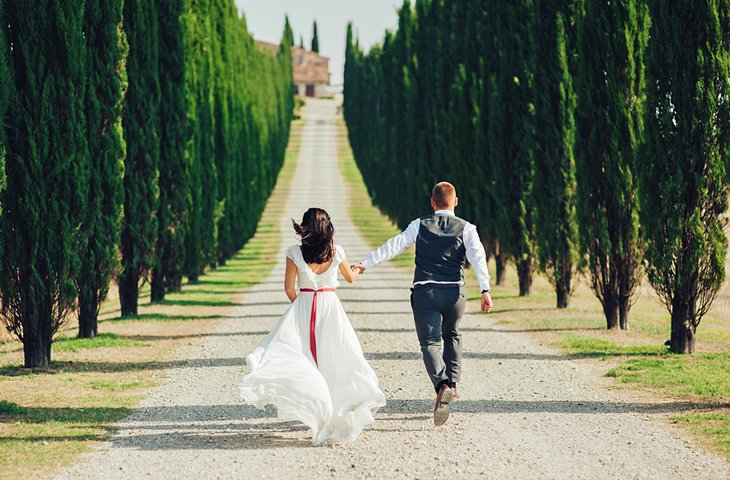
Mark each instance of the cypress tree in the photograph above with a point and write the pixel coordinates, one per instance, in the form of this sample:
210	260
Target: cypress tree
210	208
685	159
553	192
141	133
511	133
288	32
105	73
47	161
200	229
174	184
315	38
221	76
4	97
610	78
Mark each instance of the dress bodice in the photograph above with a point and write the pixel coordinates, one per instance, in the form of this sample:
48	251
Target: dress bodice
306	278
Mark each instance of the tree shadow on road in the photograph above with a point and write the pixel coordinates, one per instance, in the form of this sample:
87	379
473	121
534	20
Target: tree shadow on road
501	406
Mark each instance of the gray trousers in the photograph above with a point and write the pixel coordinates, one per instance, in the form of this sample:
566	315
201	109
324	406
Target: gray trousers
437	311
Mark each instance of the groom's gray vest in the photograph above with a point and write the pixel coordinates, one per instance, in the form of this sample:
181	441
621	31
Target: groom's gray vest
440	250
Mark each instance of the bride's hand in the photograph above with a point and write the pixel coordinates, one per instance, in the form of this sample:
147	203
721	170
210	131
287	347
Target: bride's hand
359	268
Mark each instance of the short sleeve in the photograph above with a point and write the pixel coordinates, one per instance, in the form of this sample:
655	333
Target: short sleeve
292	253
340	254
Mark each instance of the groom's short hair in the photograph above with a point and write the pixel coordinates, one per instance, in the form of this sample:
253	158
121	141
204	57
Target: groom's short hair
443	194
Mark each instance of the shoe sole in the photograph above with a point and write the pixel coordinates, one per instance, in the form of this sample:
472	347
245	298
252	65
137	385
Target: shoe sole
441	413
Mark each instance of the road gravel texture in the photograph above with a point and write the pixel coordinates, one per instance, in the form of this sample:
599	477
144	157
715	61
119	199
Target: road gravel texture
527	411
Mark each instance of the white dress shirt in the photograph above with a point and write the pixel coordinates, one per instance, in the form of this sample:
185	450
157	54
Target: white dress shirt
406	239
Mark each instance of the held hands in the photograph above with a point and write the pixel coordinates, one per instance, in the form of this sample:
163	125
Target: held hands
358	268
486	302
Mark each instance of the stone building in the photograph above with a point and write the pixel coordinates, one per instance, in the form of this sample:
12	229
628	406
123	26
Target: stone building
311	70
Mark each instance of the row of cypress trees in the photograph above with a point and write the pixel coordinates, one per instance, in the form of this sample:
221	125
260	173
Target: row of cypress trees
581	134
141	140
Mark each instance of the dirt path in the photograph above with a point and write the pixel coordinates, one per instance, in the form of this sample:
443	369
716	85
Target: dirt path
527	411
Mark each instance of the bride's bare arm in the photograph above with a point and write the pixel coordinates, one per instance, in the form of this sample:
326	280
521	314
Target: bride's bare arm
349	274
289	279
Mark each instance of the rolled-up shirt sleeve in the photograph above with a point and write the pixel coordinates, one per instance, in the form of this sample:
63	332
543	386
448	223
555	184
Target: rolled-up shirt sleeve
476	255
395	246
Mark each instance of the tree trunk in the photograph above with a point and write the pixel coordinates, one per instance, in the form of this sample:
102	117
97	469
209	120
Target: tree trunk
563	286
174	284
128	294
37	345
610	310
193	278
524	273
157	285
501	261
623	312
563	293
683	330
88	314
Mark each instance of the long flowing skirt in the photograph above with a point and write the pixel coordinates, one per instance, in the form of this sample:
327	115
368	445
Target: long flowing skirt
337	396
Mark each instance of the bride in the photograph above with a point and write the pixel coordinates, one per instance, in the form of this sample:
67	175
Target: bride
311	366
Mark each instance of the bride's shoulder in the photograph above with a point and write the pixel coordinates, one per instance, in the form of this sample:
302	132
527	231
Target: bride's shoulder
293	252
340	252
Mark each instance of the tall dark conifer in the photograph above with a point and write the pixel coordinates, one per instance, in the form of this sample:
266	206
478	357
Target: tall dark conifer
174	182
511	133
106	77
685	159
553	190
611	41
47	162
222	120
315	38
4	98
141	132
200	229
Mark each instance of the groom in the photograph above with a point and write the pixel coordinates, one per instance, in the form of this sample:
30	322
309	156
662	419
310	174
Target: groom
443	243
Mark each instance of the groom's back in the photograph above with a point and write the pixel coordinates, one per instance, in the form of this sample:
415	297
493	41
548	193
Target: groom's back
440	250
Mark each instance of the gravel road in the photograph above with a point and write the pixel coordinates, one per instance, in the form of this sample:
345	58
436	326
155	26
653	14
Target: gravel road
527	411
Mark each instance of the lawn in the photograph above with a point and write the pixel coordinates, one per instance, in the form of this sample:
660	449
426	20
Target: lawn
636	358
48	417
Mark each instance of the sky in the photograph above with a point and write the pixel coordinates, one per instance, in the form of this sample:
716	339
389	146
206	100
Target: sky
265	19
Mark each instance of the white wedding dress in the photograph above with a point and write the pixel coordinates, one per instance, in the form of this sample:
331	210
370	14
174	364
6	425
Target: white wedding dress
336	395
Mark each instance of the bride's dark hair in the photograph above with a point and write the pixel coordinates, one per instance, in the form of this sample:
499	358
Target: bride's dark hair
316	232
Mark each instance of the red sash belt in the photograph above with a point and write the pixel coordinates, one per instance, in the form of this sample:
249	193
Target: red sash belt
313	319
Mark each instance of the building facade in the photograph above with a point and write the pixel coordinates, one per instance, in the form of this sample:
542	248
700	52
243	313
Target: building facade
311	70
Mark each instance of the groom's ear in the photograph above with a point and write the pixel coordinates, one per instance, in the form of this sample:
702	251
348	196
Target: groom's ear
456	201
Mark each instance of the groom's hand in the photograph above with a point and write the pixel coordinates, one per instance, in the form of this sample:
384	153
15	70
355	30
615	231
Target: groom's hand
359	267
486	302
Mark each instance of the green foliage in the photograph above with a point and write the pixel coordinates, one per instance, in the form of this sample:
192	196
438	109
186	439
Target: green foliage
106	76
4	97
175	131
46	163
315	38
511	132
553	192
449	96
141	123
685	155
611	40
240	107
